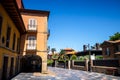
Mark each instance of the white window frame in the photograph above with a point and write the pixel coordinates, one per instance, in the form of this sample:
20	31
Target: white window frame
32	24
31	42
108	51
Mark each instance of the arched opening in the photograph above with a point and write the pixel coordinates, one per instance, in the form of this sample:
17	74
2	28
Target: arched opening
31	63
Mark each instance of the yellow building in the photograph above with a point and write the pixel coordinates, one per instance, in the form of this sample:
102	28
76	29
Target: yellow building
23	39
34	42
11	27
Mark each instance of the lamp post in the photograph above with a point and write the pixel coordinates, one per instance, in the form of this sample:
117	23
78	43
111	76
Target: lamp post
90	69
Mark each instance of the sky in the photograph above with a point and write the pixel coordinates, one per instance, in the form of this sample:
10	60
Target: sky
74	23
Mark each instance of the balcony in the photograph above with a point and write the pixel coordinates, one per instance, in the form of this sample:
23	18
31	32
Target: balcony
31	47
48	33
32	28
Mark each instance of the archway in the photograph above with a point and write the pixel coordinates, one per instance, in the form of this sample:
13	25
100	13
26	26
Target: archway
31	63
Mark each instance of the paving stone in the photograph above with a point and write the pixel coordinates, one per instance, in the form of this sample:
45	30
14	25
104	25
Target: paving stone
66	74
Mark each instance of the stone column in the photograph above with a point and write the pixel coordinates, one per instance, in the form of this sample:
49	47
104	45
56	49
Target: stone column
55	63
86	64
72	63
69	64
44	67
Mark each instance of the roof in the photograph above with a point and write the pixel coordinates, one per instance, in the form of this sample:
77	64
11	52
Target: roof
72	52
12	9
67	49
20	4
110	42
117	41
35	11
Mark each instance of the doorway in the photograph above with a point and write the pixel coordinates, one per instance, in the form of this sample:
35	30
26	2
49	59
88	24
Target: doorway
5	66
11	67
32	63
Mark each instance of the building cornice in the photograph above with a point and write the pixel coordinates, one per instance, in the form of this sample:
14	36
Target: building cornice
12	9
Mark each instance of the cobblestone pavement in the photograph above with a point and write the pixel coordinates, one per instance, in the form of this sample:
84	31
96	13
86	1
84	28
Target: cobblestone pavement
65	74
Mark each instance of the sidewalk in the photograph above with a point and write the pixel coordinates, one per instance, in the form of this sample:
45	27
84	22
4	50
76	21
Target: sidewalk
64	74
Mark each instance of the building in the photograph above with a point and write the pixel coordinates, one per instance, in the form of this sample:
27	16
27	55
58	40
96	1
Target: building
69	51
11	28
111	49
23	39
34	42
93	51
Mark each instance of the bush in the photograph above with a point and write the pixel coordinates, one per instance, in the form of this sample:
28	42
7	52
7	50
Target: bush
66	58
55	56
82	58
98	57
49	62
73	57
63	58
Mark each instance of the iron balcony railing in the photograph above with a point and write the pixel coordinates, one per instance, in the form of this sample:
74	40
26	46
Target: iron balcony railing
48	33
31	46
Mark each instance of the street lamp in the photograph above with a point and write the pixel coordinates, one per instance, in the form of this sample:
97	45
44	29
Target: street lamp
90	69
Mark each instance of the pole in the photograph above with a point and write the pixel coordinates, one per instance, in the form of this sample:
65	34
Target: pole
89	57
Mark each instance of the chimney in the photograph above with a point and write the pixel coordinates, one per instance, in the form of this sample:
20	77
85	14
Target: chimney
97	46
84	47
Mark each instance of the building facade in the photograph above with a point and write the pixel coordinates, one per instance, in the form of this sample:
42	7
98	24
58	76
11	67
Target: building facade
34	42
23	39
11	27
94	50
111	49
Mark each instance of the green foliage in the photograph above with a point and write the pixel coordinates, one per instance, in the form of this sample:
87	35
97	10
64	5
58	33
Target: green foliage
82	58
62	52
60	58
116	36
49	62
98	57
55	56
63	58
73	57
53	50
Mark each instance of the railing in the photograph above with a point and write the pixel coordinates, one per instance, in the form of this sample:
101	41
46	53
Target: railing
106	62
32	27
48	32
31	46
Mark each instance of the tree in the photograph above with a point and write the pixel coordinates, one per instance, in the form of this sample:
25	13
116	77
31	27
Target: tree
63	56
114	37
53	50
62	52
55	56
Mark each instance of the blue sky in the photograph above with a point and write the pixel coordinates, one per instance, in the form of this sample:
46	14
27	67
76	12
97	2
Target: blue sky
74	23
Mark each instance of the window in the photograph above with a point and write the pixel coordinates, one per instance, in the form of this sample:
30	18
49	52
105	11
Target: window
0	25
14	41
32	24
8	36
108	51
118	47
31	42
18	44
